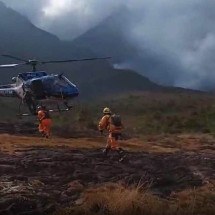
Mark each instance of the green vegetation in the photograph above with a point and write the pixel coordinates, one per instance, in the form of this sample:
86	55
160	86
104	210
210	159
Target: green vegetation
144	113
8	109
151	113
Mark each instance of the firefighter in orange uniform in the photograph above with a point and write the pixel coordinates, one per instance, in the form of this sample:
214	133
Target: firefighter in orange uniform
45	121
115	132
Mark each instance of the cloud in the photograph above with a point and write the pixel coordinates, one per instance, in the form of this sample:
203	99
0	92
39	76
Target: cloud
76	17
29	8
66	18
180	33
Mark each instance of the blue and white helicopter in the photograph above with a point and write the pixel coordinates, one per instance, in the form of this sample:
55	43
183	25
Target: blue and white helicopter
38	88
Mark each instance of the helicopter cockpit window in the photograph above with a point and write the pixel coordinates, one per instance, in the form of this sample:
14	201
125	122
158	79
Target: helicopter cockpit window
61	82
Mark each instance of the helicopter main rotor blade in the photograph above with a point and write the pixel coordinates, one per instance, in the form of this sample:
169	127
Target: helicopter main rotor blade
11	65
13	57
74	60
8	65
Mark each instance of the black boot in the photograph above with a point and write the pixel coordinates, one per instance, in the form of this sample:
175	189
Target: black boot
43	134
106	151
122	154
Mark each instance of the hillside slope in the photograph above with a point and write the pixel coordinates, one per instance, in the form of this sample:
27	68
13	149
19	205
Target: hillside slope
21	38
112	37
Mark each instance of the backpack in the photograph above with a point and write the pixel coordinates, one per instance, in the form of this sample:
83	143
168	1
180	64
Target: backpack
47	115
116	120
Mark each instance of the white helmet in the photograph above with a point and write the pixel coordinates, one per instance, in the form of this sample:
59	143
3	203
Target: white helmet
107	110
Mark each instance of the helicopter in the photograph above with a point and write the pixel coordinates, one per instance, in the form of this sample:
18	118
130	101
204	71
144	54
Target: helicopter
37	87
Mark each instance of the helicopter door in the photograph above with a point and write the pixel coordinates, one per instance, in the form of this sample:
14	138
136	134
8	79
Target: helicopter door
37	89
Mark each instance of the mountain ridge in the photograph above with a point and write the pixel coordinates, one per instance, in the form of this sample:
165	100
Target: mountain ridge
22	39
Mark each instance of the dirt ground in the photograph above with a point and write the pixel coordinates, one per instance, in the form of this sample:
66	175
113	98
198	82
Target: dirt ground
38	176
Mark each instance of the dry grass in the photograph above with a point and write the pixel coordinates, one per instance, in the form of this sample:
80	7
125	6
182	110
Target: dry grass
115	199
149	143
196	201
13	143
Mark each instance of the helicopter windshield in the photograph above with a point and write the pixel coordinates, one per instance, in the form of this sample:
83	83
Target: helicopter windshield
60	81
64	82
56	83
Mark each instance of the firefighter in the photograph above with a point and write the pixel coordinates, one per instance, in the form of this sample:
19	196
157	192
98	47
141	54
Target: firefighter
115	131
45	121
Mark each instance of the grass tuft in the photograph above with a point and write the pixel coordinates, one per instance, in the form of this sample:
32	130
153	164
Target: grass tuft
115	199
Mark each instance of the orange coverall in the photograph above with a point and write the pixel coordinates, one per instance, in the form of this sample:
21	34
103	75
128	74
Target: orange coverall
114	132
45	123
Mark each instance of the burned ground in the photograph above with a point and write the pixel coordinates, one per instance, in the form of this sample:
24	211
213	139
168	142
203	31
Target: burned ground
38	176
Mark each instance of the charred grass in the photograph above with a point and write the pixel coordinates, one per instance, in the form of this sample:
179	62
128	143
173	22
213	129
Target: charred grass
161	153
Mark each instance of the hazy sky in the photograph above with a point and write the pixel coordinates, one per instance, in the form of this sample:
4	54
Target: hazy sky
182	31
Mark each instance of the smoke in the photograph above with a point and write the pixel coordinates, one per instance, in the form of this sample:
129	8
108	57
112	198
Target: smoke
179	33
122	66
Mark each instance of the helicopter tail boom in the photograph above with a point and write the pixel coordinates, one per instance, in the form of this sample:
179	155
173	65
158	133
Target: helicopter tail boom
7	91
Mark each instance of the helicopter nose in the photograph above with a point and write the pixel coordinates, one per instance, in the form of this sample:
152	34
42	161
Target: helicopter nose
72	91
75	91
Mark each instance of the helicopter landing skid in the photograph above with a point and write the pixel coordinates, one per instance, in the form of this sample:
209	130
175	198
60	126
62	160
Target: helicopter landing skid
50	110
60	110
24	114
